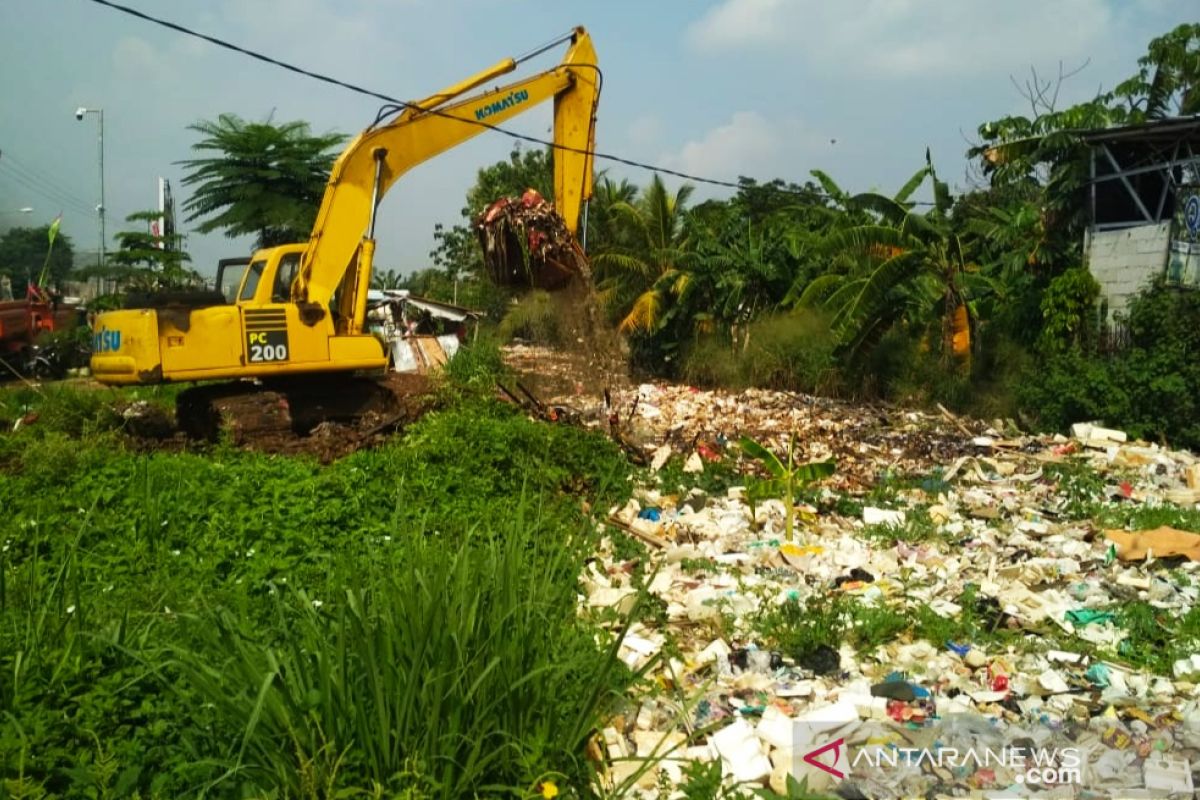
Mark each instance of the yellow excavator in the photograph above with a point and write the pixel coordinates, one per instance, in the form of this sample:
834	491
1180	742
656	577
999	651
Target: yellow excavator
298	322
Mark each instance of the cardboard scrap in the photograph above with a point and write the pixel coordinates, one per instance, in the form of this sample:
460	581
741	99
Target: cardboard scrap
1161	542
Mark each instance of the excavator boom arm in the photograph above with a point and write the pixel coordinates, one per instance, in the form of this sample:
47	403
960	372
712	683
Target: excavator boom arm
438	123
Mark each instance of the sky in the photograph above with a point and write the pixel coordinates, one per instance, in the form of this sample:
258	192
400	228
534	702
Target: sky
719	88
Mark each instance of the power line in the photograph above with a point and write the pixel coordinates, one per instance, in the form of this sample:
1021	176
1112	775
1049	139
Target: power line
405	105
34	173
50	188
34	186
55	200
43	185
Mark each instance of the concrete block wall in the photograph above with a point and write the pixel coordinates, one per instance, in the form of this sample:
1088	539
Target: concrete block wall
1124	261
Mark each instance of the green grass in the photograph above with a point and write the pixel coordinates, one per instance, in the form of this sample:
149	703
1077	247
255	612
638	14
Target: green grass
793	351
1078	484
917	527
714	480
704	565
979	623
127	579
889	486
1157	638
873	626
1139	517
799	628
443	671
476	368
1085	494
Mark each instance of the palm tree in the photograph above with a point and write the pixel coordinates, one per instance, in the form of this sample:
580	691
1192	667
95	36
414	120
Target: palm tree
387	279
258	178
647	264
604	228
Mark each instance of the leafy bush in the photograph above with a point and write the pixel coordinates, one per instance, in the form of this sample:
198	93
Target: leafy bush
1150	388
119	569
1072	387
926	380
887	367
1069	310
904	368
533	318
1002	366
712	361
477	366
792	352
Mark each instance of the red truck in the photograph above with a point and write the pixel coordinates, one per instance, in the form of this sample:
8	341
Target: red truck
23	321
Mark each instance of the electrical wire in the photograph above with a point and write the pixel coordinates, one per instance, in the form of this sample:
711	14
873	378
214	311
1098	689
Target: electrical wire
48	188
35	173
46	194
480	123
32	184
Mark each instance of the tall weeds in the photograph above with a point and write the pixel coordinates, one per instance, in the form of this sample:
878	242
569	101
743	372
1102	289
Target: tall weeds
452	669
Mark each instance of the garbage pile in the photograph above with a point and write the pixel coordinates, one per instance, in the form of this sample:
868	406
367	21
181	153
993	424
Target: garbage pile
865	440
526	244
960	611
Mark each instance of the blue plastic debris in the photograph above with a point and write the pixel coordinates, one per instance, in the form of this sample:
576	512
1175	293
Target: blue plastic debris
1097	674
652	513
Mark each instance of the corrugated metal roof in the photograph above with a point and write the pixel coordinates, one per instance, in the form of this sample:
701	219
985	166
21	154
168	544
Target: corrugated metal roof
435	307
1171	129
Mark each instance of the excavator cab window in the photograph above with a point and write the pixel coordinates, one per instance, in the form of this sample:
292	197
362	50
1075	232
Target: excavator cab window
250	283
229	276
281	292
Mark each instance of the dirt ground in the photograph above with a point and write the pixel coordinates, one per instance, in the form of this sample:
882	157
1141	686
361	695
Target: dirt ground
326	421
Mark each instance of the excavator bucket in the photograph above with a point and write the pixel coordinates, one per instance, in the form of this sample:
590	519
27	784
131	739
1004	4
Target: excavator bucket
526	244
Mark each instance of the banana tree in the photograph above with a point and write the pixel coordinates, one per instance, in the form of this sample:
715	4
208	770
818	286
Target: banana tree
786	478
906	267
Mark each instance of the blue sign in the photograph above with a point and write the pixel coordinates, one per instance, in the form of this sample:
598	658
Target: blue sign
1191	215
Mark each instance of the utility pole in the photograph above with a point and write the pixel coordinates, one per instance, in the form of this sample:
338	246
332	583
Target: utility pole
99	112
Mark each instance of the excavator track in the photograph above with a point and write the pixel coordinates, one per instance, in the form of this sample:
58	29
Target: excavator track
328	416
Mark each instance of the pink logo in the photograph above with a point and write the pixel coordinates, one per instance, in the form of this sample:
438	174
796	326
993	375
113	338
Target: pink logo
836	746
